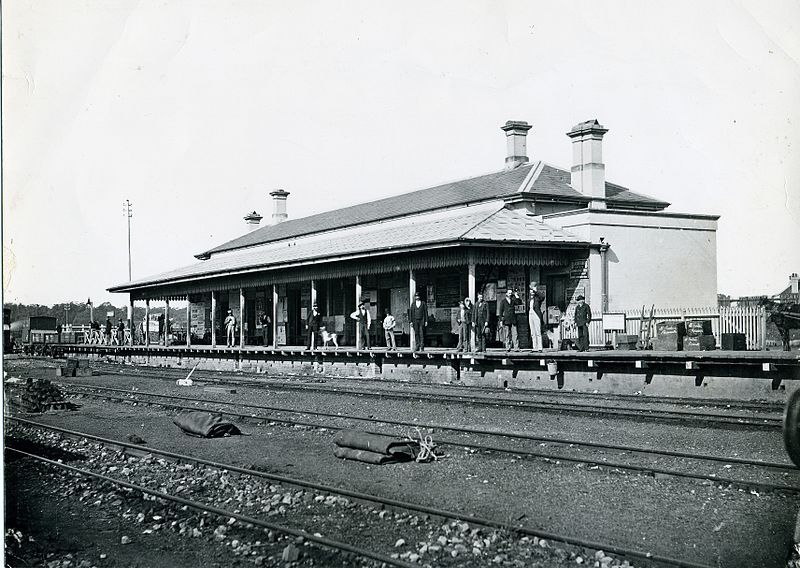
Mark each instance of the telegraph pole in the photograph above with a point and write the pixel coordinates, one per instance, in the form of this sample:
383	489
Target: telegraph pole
127	210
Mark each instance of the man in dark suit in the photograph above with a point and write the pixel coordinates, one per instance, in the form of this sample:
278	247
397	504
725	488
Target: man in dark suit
480	323
313	324
583	315
419	321
509	320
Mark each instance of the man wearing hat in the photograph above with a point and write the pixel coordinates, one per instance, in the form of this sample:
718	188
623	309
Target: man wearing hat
313	323
230	329
419	321
508	318
480	323
363	323
583	315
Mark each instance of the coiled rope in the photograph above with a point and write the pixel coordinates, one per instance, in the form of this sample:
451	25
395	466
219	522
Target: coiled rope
426	445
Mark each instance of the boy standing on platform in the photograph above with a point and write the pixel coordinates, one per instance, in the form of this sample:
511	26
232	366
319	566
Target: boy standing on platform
230	329
388	329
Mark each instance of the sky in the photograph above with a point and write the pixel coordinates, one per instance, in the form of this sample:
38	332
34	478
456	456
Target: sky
196	110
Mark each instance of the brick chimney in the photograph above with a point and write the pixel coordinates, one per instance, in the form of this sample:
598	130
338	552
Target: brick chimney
252	219
279	206
516	134
588	170
794	282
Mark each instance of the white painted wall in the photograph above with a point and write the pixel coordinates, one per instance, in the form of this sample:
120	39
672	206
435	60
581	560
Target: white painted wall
665	259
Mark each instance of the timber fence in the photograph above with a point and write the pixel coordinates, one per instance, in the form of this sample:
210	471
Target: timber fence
751	321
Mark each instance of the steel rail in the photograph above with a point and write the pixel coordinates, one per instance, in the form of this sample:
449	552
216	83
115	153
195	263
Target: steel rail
491	523
434	426
509	403
515	451
225	513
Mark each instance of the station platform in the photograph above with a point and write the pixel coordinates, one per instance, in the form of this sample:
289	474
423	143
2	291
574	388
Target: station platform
737	375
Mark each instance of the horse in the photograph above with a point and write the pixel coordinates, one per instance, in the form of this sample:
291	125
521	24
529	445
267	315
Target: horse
785	316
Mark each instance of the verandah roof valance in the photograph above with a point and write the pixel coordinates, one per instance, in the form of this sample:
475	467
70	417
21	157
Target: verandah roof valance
418	260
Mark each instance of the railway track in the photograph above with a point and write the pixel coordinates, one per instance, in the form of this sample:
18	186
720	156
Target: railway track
222	407
701	417
517	529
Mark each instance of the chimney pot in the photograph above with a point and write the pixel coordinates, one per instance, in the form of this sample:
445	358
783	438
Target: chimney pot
794	282
516	135
252	219
588	170
279	206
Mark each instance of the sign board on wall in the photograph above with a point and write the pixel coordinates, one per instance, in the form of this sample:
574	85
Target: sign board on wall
573	293
516	281
614	321
281	336
578	268
370	297
400	302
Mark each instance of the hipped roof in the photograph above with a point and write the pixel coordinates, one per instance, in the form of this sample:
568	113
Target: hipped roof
537	180
460	226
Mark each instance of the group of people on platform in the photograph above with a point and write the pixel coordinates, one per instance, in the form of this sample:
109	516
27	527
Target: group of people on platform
472	322
109	333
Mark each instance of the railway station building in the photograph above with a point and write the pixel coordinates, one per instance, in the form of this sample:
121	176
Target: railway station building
566	229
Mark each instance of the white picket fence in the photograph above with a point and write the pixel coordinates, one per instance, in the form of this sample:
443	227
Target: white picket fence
752	321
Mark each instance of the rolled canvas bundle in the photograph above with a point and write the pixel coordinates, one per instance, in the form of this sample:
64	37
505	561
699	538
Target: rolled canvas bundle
205	425
373	448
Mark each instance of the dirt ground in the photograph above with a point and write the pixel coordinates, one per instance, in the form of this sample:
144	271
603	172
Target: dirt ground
703	522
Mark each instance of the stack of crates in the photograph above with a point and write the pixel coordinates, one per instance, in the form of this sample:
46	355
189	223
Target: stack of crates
75	368
734	341
669	336
699	336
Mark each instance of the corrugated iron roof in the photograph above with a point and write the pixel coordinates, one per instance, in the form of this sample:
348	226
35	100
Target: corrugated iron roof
474	223
550	181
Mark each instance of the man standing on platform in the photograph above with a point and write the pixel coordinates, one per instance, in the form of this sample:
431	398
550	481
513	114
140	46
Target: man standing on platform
266	327
509	320
363	321
419	321
464	323
161	328
470	324
313	324
480	323
583	315
109	328
230	329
